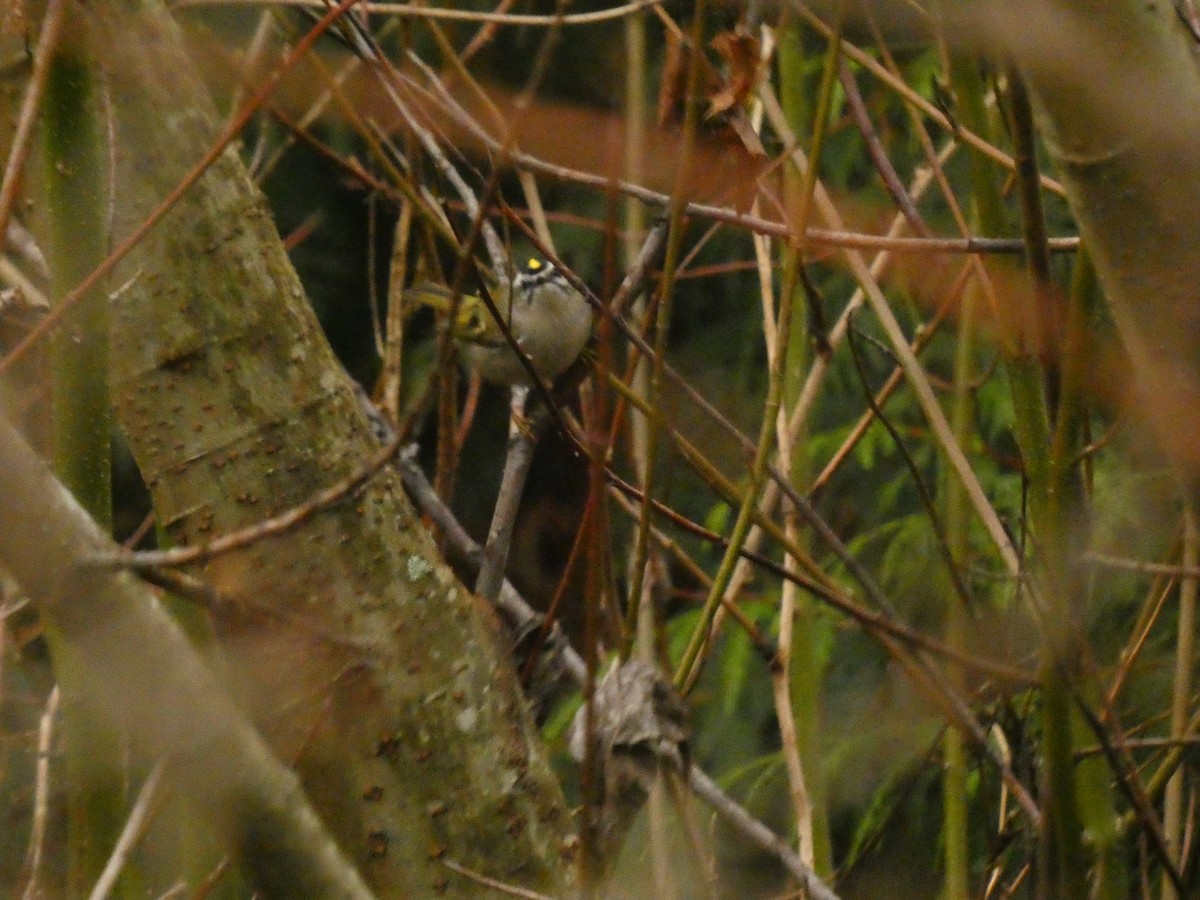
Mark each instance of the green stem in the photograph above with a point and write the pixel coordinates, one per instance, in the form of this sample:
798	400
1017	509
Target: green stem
987	214
76	217
1052	509
806	661
689	664
1093	777
688	669
955	514
674	242
1078	799
75	203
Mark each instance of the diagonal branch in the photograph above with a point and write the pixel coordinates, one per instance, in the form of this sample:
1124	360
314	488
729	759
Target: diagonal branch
180	713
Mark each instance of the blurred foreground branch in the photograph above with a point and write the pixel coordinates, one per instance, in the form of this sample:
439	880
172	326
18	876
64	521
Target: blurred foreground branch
121	633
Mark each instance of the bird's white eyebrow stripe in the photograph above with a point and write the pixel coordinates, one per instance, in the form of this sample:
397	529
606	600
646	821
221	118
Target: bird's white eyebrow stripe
541	276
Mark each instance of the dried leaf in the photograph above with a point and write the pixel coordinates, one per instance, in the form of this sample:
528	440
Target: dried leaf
740	52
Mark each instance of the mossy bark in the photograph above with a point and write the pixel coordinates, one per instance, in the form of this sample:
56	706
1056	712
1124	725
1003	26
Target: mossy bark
358	653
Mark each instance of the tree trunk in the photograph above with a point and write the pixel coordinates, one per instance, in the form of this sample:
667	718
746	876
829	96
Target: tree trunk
360	656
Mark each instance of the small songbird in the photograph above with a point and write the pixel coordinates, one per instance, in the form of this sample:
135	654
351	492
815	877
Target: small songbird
548	318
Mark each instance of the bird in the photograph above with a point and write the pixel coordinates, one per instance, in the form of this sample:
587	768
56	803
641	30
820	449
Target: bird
549	321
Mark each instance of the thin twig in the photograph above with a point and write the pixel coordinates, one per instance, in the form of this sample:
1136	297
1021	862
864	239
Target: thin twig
736	815
31	868
272	527
931	509
879	158
447	14
511	889
518	459
1143	744
21	241
486	32
837	237
19	147
135	827
923	337
1141	566
781	669
210	882
639	271
1181	691
253	58
762	642
393	344
390	80
1140	635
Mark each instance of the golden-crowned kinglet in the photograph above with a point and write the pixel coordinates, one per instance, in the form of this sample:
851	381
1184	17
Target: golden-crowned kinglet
549	320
